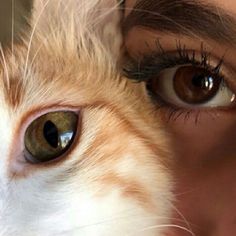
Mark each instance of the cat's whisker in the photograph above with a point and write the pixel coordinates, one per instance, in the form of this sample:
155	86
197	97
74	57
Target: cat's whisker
105	221
35	55
182	216
192	190
167	226
127	216
12	25
5	67
108	11
32	35
44	40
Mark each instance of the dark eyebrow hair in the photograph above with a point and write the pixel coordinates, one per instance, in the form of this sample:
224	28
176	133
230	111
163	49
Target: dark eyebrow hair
185	17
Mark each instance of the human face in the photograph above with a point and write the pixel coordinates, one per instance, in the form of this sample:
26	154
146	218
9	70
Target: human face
203	133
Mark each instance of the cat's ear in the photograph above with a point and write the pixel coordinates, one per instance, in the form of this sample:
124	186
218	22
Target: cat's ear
99	17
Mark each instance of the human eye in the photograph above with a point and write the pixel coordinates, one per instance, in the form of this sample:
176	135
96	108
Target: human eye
184	81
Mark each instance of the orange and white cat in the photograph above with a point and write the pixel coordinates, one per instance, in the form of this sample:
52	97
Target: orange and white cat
82	152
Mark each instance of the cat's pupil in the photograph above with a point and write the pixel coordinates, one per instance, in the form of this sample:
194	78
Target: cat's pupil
50	133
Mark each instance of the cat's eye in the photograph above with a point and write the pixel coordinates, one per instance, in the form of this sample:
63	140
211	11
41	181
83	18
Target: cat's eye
191	86
50	136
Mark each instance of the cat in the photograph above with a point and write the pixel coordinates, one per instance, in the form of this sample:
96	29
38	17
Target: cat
113	174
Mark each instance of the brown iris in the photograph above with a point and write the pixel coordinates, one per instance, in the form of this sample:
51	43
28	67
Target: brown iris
195	85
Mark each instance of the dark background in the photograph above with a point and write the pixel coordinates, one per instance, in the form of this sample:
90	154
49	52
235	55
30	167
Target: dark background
21	10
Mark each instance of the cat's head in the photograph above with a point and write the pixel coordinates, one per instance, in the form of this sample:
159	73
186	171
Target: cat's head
81	150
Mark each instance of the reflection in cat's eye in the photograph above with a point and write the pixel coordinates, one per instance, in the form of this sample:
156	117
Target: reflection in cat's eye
50	136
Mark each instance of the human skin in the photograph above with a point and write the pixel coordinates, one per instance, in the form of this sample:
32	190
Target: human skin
204	151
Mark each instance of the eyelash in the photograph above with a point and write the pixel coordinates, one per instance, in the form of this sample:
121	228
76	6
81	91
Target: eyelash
151	65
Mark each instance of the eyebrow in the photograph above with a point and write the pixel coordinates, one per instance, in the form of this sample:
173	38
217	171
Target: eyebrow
184	17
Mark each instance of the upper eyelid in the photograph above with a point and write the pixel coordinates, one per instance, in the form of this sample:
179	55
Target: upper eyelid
150	64
139	71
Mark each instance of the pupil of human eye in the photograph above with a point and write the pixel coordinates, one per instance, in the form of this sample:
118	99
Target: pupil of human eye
195	85
202	81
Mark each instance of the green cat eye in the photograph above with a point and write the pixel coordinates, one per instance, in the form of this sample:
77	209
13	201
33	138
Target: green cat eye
50	136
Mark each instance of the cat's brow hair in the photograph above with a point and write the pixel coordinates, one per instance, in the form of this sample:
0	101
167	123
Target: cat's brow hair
191	18
12	84
29	53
